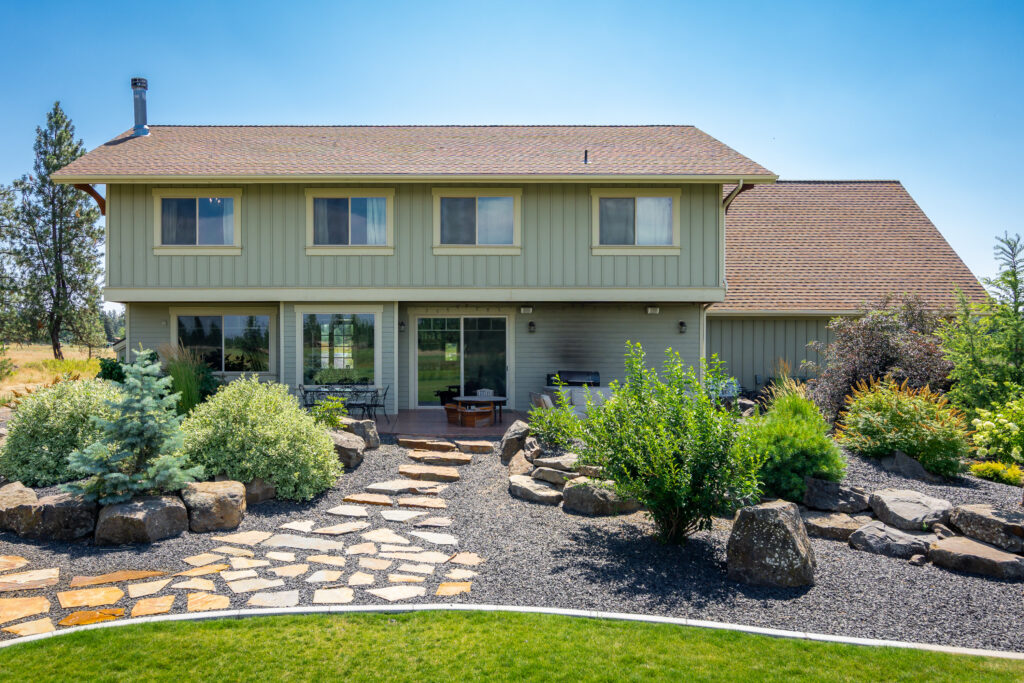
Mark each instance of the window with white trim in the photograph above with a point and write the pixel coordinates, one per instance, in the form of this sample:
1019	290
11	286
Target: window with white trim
227	343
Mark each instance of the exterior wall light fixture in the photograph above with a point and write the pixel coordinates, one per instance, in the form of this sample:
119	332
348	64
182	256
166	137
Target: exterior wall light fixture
531	327
682	327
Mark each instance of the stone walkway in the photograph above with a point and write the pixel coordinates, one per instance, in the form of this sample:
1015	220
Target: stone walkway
337	560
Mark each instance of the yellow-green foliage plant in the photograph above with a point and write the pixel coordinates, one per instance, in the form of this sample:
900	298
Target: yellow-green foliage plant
997	471
998	434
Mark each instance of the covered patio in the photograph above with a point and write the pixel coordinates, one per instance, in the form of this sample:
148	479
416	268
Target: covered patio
434	422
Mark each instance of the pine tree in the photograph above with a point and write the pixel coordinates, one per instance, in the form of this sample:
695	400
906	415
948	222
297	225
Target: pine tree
138	453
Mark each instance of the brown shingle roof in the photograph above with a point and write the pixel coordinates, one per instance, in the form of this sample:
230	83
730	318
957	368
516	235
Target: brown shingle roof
274	151
834	245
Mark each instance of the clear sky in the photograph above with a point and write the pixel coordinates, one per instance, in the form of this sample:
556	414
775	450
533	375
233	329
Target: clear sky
930	93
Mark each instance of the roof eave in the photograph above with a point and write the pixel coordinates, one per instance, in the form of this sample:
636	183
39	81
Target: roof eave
108	179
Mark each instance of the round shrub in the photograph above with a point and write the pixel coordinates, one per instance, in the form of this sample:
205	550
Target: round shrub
997	471
49	425
998	434
251	429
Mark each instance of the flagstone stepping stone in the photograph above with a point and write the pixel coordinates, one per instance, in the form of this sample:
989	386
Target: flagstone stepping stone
331	560
202	559
435	522
114	577
32	628
250	585
304	525
385	536
416	568
244	537
346	528
141	590
400	592
374	563
368	499
431	556
274	599
420	443
290	571
406	578
475	446
280	556
459	574
205	602
9	562
239	575
228	550
432	537
302	543
435	458
195	585
324	576
90	597
17	608
422	502
23	581
92	616
149	606
361	579
429	472
362	549
387	548
349	511
406	486
467	559
400	515
453	588
205	571
333	596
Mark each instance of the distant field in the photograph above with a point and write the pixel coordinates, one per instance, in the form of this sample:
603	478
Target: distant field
34	364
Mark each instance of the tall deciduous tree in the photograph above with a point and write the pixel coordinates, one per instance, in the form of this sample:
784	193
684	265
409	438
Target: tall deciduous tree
56	237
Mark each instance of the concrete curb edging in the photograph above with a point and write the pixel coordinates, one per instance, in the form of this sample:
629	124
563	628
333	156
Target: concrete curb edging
589	614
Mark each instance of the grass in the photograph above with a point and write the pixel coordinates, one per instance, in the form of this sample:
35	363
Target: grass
34	364
427	646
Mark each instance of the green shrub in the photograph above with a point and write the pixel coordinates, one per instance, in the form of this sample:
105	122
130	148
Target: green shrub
792	439
667	442
250	429
191	377
556	427
51	423
6	364
885	416
328	412
997	471
110	369
998	435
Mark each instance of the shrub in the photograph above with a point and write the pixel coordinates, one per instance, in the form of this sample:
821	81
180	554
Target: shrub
6	364
997	471
137	452
250	429
885	416
998	435
110	369
49	425
328	412
556	427
191	377
667	443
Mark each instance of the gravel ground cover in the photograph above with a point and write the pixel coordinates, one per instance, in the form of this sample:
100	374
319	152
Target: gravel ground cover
540	556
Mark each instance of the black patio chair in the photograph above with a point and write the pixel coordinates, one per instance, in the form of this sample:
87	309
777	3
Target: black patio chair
378	400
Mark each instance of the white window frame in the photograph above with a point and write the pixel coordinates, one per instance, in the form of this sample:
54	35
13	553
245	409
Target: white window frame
378	336
222	311
598	249
161	193
386	249
513	249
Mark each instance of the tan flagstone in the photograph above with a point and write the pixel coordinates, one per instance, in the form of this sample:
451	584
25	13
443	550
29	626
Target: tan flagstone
92	616
228	550
349	511
332	560
208	569
248	563
204	602
274	599
388	548
426	488
429	472
339	529
239	575
90	597
195	585
467	559
302	525
280	556
250	585
17	608
435	458
361	579
431	556
324	576
459	574
368	499
290	571
422	502
32	628
141	590
475	446
453	587
244	537
374	563
400	592
422	443
9	562
303	543
202	559
113	577
333	596
435	521
416	568
23	581
149	606
362	549
384	536
406	578
400	515
435	538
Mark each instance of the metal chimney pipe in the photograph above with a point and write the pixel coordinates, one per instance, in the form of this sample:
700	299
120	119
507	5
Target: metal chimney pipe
139	88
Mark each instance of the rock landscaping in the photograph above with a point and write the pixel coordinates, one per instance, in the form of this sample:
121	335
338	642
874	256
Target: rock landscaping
769	546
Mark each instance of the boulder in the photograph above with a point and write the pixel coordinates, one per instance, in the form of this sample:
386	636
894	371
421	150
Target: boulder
12	495
967	555
256	491
566	463
1002	528
875	537
745	404
532	449
556	477
909	510
61	517
592	471
214	505
835	526
142	520
519	464
364	429
901	463
532	490
513	441
821	494
348	446
942	531
768	546
589	497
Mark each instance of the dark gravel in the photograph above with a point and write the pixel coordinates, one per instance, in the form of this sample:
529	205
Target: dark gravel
538	555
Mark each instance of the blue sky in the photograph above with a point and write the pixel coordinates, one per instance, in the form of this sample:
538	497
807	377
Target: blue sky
930	93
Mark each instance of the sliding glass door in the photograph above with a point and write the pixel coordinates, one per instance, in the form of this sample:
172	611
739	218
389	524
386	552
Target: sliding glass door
460	355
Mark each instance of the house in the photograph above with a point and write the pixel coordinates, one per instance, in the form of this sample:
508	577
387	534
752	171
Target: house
423	258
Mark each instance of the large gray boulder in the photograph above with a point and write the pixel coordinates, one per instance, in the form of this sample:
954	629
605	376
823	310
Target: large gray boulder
214	505
348	446
1002	528
61	517
901	463
142	520
533	490
589	497
513	441
769	546
875	537
821	494
967	555
835	526
11	496
566	462
909	510
364	429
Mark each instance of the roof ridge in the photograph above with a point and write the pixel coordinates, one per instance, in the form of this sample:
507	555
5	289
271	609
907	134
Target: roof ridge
421	125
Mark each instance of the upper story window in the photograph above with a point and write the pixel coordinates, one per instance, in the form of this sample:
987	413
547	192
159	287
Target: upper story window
477	220
197	221
349	221
635	221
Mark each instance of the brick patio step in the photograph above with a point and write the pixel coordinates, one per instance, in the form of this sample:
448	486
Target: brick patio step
422	443
435	458
429	472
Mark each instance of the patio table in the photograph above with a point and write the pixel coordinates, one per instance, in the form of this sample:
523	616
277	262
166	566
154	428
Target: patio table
498	401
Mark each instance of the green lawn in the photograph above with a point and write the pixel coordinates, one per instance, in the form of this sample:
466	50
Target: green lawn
427	646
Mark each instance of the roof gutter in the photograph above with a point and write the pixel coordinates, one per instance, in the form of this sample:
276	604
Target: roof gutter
745	181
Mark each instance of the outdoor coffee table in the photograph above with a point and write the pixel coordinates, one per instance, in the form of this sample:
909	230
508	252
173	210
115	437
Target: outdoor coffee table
498	401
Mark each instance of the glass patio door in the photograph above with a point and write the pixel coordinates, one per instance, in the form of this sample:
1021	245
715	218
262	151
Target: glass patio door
460	355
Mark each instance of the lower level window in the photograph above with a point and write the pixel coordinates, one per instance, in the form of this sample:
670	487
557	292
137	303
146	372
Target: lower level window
338	348
228	343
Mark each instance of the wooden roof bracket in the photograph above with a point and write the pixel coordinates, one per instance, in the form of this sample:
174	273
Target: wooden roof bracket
91	191
740	187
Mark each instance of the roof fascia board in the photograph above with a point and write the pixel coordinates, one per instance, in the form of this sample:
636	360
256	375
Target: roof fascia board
400	178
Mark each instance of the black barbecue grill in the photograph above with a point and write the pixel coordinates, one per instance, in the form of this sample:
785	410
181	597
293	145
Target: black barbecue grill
575	378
